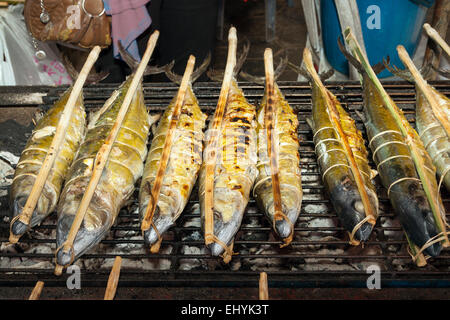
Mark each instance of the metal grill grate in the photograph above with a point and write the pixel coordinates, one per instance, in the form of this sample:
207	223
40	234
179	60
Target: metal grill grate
319	255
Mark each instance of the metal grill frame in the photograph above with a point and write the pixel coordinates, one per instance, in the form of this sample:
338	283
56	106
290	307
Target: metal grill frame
157	97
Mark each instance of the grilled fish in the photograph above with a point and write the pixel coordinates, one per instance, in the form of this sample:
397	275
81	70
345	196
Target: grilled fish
116	185
433	134
285	129
338	178
396	167
183	166
33	157
235	171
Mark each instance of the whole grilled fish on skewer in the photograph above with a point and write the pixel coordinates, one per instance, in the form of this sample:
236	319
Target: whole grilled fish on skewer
124	167
112	163
286	146
33	155
401	162
183	162
342	159
229	167
49	154
429	128
235	171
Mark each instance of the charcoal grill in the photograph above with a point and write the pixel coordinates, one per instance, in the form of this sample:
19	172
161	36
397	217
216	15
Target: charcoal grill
319	255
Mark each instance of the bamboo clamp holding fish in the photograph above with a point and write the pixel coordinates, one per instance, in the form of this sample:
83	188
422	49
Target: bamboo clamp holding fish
410	140
147	222
58	139
437	110
335	119
263	287
272	143
113	279
103	153
433	34
211	151
37	290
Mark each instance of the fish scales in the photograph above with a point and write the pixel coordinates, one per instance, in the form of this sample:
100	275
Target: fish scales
397	169
335	168
285	131
122	170
182	169
33	156
432	133
235	171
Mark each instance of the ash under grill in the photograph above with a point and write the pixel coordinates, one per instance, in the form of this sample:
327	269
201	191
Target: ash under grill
319	255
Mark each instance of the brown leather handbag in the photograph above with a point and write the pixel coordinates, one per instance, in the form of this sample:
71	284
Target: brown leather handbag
81	23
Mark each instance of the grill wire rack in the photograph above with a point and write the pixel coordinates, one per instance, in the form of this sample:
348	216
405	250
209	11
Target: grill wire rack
319	255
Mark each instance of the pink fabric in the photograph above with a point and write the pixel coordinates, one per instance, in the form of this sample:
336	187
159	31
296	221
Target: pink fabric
130	19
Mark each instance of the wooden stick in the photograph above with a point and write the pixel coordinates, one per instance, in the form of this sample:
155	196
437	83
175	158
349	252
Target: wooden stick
58	139
103	154
335	119
113	279
263	287
433	34
211	150
36	293
425	88
151	207
269	118
394	111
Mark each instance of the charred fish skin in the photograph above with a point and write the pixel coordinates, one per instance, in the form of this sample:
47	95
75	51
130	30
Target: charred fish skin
235	171
116	185
183	166
336	173
33	156
433	134
397	170
285	129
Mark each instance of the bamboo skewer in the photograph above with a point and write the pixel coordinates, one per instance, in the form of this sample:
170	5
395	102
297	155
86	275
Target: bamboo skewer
36	293
113	279
263	287
433	34
211	152
53	151
269	119
425	88
335	119
393	109
147	222
103	154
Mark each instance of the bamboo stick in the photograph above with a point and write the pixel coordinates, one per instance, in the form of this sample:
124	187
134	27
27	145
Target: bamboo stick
151	207
433	34
103	154
393	109
113	279
269	119
211	150
425	88
36	293
58	139
335	119
263	287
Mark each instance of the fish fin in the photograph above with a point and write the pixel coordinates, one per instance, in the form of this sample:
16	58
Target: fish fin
361	116
443	72
277	73
217	75
195	75
310	123
92	78
133	64
353	61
